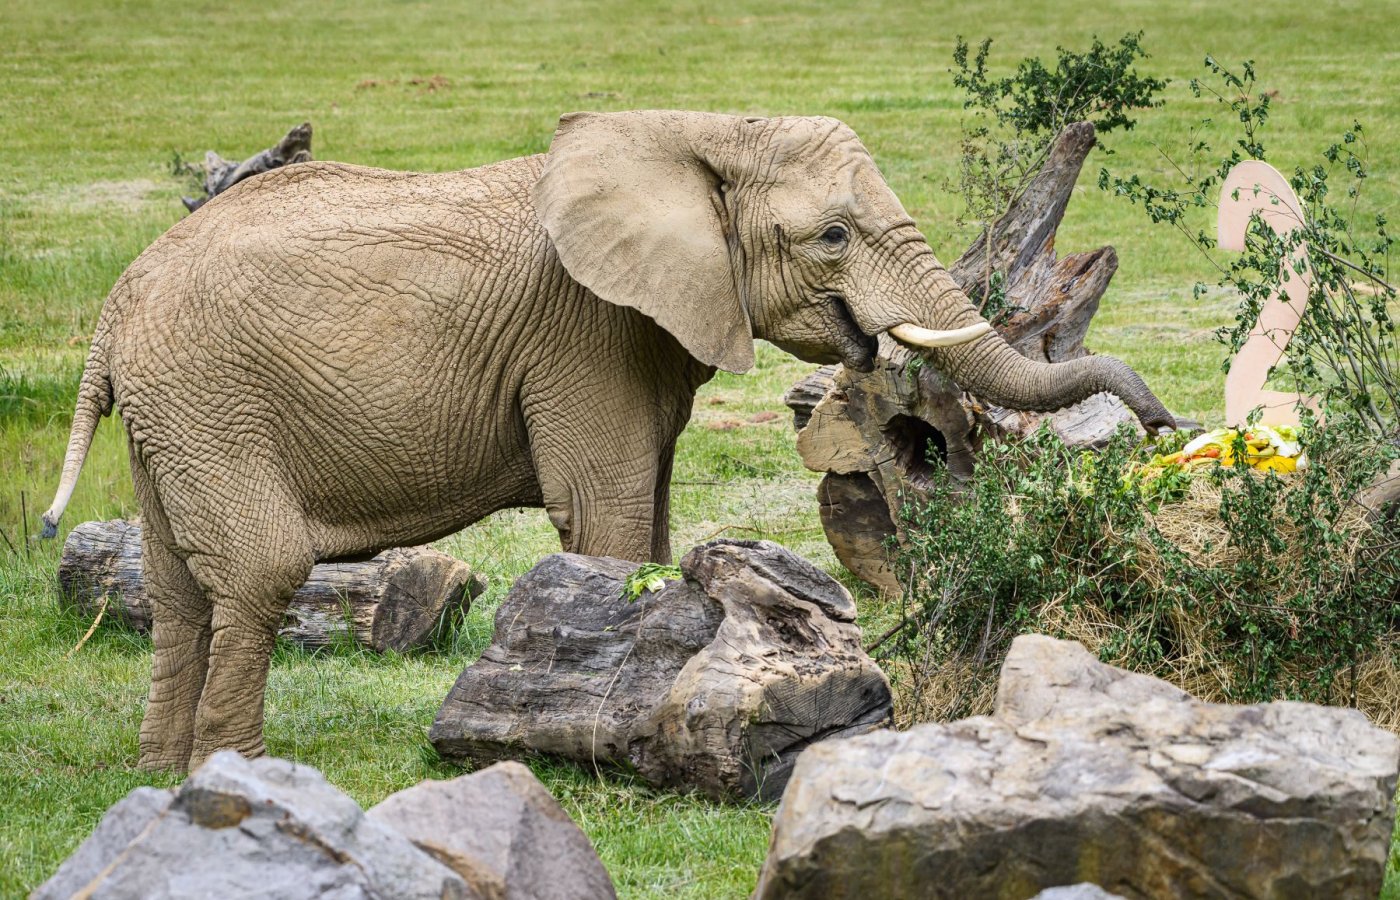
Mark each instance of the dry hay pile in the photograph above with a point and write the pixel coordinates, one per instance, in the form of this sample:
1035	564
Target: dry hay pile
928	690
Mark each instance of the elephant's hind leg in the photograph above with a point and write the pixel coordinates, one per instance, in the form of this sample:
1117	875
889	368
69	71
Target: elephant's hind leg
180	613
252	553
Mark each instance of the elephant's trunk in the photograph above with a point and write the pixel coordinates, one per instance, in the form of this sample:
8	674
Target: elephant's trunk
993	370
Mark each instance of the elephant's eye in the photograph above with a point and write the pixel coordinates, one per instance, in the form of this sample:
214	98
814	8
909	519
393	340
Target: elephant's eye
834	236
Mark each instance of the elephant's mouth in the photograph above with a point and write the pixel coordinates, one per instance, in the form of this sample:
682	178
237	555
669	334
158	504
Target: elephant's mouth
857	348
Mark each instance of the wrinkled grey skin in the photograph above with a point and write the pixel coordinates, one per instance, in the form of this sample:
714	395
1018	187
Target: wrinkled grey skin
329	360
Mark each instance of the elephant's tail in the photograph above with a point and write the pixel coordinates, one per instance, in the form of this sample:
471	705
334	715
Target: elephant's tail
94	402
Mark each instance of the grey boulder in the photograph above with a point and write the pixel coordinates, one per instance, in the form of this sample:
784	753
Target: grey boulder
266	829
503	833
715	683
120	825
1086	772
1077	892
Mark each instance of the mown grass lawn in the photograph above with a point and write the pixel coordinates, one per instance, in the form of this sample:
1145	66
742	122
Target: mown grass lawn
97	98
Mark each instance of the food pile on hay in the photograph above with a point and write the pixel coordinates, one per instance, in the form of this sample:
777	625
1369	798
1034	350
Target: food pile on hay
1235	583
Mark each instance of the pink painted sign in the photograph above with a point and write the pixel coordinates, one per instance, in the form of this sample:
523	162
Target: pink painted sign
1251	187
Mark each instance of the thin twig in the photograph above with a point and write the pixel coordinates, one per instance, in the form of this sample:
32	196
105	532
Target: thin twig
757	469
1372	276
882	639
95	622
597	716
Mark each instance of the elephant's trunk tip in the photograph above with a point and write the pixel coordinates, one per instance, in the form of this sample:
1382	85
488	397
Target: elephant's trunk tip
919	336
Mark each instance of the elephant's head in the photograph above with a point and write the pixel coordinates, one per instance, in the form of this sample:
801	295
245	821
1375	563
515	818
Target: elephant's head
724	228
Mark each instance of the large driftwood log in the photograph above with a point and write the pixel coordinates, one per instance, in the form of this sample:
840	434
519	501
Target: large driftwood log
391	602
873	433
715	683
221	174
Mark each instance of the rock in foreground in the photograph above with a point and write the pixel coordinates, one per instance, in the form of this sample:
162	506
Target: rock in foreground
1088	773
503	832
120	825
715	683
265	828
1077	892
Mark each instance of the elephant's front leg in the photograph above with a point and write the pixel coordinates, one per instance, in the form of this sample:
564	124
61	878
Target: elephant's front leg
600	487
661	505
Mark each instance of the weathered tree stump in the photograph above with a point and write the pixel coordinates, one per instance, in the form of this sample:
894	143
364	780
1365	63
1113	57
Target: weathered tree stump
391	602
874	433
715	683
221	174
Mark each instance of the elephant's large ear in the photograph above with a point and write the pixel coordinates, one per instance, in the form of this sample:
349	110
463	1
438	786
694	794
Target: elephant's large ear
632	202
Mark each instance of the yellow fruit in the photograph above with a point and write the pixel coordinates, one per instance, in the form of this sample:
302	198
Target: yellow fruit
1283	464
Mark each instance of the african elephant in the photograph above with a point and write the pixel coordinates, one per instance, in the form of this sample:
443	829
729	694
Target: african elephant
330	360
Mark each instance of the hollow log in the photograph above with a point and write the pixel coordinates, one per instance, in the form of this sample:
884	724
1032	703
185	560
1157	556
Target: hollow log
715	683
874	432
221	174
391	602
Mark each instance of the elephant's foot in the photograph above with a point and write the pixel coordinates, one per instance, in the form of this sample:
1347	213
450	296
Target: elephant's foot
158	759
165	745
249	749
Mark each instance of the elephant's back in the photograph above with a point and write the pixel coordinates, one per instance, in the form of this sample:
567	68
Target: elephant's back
318	199
327	239
302	192
323	290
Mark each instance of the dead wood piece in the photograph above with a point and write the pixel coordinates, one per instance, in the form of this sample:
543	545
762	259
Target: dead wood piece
391	602
858	525
221	174
715	683
806	394
887	424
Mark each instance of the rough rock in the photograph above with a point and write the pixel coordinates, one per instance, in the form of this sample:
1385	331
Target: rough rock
1077	892
715	683
1086	772
503	832
120	825
265	828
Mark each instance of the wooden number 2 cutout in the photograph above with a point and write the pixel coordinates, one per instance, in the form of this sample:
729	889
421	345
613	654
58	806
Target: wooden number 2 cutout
1254	186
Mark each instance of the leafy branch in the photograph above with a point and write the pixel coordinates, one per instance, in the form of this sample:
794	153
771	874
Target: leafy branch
1344	350
1012	122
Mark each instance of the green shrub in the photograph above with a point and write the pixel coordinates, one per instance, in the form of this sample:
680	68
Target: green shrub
1237	585
1012	122
1234	584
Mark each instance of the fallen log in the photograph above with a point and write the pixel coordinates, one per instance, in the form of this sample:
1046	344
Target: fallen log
875	432
221	174
391	602
715	683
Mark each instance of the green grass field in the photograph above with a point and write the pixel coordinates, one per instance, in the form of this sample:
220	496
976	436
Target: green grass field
97	99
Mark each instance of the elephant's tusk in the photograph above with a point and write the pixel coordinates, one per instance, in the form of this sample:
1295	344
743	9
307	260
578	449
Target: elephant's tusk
927	337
